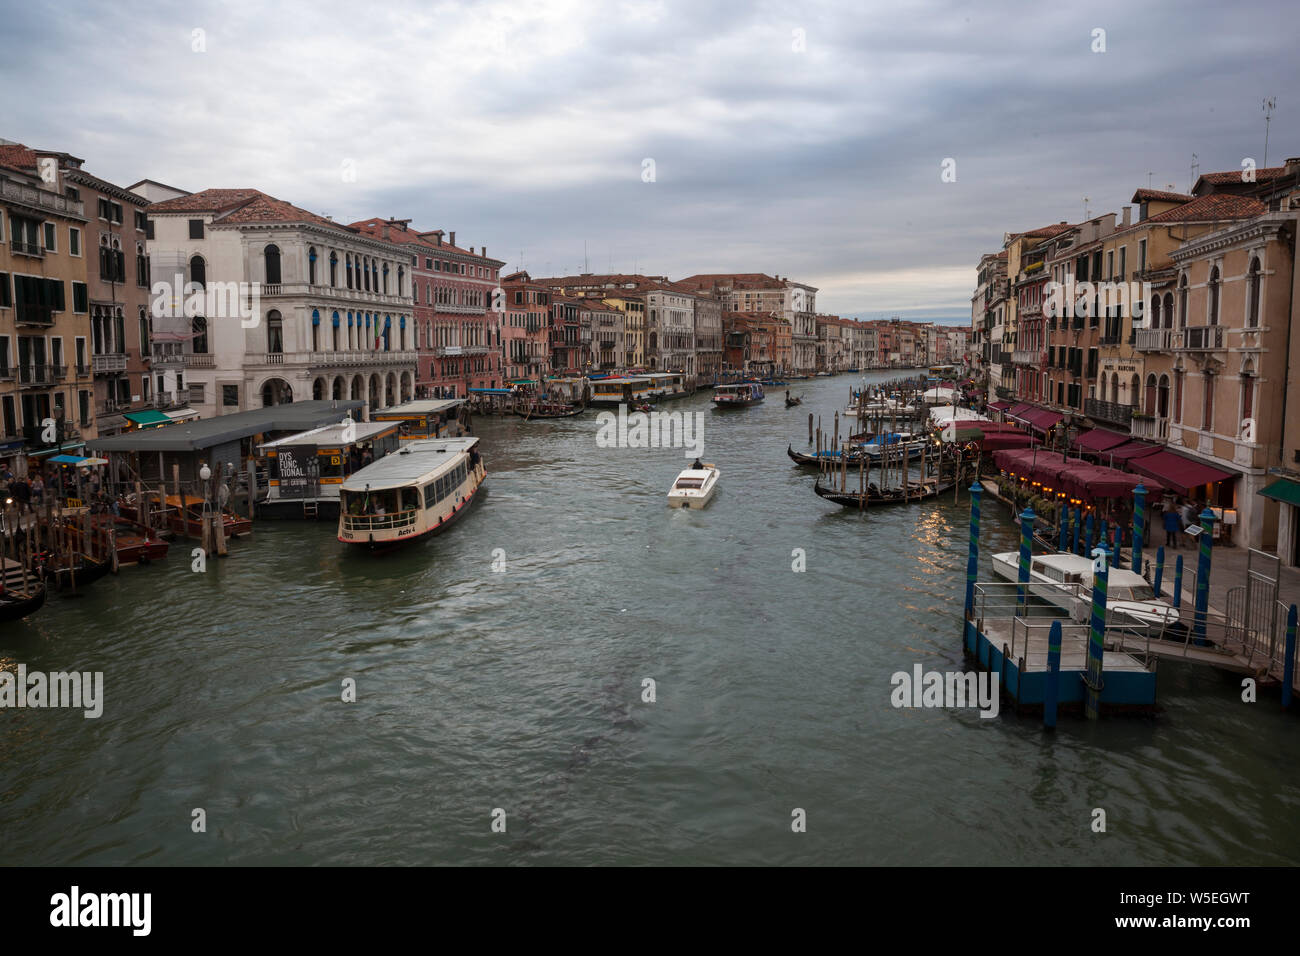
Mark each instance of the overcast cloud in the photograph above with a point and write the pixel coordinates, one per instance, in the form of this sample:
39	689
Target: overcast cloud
524	125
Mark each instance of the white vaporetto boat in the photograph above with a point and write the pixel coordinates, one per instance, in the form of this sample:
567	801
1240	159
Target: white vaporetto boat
694	487
1065	580
417	491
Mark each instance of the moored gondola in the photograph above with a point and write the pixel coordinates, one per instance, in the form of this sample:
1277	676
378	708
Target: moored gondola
815	460
919	491
546	410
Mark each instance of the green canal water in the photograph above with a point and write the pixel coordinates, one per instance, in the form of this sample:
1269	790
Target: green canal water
522	689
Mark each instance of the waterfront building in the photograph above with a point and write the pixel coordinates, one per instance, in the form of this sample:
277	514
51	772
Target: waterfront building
670	328
988	321
796	302
526	332
708	336
608	345
46	384
330	316
458	333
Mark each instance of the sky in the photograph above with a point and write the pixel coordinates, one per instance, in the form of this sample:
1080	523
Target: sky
807	140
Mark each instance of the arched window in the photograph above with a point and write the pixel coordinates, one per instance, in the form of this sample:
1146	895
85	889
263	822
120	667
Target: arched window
311	265
1214	296
1162	397
1114	387
272	256
401	280
1182	302
1155	312
1149	405
348	268
199	272
1207	406
334	268
385	286
274	332
365	269
1247	396
199	326
1169	310
1252	294
145	347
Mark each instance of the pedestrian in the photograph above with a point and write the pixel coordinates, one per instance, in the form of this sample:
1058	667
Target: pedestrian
21	493
1173	524
38	489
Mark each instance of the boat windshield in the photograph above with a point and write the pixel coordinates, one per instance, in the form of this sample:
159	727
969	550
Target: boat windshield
1140	592
389	501
690	483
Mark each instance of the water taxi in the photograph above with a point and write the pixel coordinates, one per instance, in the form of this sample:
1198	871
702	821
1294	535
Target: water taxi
694	487
623	390
306	470
417	491
424	418
737	396
1065	580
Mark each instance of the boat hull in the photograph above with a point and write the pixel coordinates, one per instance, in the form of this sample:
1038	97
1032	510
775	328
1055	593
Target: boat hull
878	499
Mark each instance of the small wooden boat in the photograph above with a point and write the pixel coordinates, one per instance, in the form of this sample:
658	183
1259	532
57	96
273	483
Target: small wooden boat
694	487
136	544
191	523
792	402
19	598
917	491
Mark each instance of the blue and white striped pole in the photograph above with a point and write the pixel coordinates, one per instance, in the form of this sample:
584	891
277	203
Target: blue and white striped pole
1096	639
1203	574
1026	552
973	557
1160	568
1139	524
1052	692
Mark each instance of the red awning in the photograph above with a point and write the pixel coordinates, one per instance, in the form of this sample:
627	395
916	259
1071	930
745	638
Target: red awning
1099	439
1015	411
1134	449
1095	481
1179	473
1042	419
1000	406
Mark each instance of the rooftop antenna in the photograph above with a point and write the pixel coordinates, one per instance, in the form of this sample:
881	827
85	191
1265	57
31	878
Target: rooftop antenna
1087	213
1195	167
586	263
1269	105
1148	180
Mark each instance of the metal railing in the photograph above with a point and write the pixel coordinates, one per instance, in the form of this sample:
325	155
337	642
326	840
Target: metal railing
1143	426
1198	338
42	198
112	362
1114	412
384	522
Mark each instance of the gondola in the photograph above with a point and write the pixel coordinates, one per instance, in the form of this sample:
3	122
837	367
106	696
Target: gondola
21	593
792	402
547	410
919	491
60	574
814	461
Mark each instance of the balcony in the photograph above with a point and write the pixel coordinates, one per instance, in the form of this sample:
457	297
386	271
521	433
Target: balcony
20	248
167	360
108	363
7	374
455	351
1027	357
28	313
35	375
1150	427
58	372
1154	340
194	360
1112	412
1006	394
40	198
1205	338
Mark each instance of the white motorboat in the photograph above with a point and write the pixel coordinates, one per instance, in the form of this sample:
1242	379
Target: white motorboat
1065	580
694	487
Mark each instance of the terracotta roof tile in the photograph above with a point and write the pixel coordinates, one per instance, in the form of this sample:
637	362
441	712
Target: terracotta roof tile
1217	207
1160	195
1234	176
209	200
18	158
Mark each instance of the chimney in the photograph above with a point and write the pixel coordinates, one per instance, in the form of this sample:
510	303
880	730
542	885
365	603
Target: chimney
485	252
387	234
1292	165
1128	215
471	250
451	237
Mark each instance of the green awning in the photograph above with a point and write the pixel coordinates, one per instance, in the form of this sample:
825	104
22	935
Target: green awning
148	418
57	449
1284	490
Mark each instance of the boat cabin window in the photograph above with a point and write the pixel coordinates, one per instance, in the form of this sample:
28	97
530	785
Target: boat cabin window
1074	578
690	483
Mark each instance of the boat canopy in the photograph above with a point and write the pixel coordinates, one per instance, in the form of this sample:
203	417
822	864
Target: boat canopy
415	461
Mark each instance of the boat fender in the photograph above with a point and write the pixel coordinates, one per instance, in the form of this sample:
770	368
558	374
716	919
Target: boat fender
145	559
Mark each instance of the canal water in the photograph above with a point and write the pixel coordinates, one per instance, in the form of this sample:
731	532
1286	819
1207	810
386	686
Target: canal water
521	689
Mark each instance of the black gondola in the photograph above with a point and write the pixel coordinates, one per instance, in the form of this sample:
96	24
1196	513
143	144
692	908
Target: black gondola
57	572
18	598
813	461
930	488
550	410
792	402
